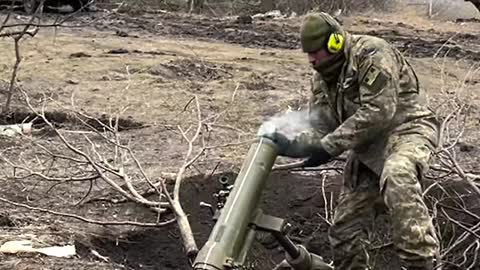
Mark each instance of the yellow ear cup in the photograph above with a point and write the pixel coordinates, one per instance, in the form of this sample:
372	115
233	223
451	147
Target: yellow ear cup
335	43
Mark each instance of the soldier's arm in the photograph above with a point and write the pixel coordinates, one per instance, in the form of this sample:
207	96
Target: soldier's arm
378	98
322	118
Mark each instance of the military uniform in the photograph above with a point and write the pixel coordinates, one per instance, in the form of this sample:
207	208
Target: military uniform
371	105
377	110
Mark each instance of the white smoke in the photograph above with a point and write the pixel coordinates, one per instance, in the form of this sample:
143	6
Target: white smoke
289	124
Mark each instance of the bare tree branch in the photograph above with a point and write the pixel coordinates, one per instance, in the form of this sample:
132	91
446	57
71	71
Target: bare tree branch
97	222
182	219
102	167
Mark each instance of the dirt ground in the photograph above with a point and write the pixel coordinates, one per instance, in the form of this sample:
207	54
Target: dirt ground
149	67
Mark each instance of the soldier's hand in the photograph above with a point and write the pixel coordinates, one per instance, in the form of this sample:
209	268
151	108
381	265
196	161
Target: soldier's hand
285	145
319	157
270	131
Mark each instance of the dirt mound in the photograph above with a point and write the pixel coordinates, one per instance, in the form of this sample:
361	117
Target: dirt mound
65	119
189	69
148	249
476	3
256	82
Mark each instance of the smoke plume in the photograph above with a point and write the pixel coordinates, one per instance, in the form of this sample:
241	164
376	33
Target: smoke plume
289	124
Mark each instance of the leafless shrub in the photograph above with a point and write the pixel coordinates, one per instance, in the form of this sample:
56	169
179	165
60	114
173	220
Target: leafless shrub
101	154
453	191
347	6
20	28
249	7
96	154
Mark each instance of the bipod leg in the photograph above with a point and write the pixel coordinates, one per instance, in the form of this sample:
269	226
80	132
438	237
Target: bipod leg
297	256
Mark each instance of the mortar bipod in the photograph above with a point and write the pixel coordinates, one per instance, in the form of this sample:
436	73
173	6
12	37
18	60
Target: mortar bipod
297	256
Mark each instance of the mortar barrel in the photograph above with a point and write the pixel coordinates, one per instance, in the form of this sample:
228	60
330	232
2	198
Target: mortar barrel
230	232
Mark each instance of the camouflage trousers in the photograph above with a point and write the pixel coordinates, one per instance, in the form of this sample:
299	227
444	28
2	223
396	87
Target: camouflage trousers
396	190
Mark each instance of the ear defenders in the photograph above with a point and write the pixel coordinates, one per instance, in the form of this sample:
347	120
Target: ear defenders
335	43
336	40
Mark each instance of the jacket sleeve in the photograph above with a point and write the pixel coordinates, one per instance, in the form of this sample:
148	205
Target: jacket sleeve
321	117
378	84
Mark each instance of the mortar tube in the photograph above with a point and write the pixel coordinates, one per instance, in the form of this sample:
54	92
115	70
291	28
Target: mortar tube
229	235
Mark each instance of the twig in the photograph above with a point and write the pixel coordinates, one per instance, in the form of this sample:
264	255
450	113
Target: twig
104	223
475	257
325	202
115	142
289	166
17	36
18	33
90	187
285	167
215	117
51	178
464	236
246	142
463	210
462	174
10	9
100	167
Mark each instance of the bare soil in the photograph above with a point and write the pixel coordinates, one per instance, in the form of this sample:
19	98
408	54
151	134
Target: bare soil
152	65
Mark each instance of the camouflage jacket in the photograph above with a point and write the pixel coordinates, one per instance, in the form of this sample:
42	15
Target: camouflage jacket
377	95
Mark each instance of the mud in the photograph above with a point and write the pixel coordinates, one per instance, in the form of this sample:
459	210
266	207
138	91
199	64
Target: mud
433	45
283	33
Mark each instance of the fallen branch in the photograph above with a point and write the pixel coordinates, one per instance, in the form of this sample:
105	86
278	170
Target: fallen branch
182	219
289	166
50	178
299	166
87	220
102	168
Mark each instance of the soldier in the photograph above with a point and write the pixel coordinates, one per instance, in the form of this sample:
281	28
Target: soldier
366	100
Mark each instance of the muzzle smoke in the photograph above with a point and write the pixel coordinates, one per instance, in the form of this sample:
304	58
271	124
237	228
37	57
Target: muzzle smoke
288	124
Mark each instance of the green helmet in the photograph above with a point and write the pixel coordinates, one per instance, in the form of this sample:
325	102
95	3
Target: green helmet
316	30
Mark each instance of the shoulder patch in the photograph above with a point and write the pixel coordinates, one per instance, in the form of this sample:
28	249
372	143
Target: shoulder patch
371	75
375	78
